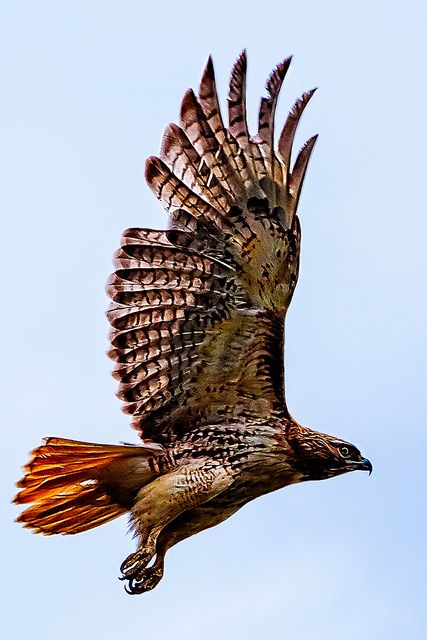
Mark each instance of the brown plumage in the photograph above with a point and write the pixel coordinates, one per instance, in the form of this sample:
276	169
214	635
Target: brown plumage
197	319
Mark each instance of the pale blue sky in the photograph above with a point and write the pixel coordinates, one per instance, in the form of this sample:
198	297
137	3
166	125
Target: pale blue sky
87	88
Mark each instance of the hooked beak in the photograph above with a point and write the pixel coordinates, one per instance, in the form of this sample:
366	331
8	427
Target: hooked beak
365	465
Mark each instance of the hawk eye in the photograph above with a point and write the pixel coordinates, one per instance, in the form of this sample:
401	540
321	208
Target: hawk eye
345	451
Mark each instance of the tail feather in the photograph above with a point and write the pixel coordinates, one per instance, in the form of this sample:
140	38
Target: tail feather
74	486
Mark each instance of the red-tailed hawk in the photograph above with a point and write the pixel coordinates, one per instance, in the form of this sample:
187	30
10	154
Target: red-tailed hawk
197	322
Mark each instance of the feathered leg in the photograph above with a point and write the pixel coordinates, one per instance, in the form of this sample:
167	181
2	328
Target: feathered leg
184	526
157	505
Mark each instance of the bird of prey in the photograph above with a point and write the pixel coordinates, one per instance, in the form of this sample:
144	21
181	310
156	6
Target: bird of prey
197	336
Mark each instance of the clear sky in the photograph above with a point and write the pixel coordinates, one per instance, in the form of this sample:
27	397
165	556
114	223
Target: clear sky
87	88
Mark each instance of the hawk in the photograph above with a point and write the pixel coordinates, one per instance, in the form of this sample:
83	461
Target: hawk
197	335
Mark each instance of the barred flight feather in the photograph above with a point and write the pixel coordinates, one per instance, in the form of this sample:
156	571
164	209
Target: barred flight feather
267	112
201	301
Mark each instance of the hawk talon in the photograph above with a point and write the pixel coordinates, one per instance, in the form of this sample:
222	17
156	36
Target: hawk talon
129	589
134	563
144	581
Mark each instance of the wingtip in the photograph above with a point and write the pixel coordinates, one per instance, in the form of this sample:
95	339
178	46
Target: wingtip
243	56
300	167
286	62
305	151
312	141
208	69
283	66
168	140
286	138
187	104
277	76
240	64
152	168
207	95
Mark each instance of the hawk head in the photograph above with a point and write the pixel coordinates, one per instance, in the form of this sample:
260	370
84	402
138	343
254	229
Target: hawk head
321	456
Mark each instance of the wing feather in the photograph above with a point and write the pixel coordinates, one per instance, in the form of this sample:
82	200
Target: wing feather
287	136
267	112
197	317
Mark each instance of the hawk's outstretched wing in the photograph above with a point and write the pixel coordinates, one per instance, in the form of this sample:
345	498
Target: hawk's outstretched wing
198	311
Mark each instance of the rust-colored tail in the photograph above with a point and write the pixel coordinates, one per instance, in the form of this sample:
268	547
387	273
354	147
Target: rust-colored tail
75	486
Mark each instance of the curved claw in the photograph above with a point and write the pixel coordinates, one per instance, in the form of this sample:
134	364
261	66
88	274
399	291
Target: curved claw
128	562
134	563
130	589
144	580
